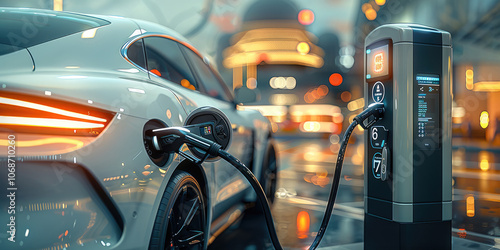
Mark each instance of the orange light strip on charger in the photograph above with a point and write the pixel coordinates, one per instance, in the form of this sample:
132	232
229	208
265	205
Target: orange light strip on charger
46	122
19	103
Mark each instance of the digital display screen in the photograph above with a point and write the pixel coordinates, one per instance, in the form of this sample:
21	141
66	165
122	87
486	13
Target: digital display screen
377	62
206	130
428	111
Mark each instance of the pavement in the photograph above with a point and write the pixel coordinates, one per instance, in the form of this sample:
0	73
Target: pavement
305	176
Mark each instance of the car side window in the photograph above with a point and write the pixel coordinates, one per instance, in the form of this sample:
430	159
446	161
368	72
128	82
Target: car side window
165	59
212	83
135	53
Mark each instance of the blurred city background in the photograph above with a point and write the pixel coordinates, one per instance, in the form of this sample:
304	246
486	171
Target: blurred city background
305	60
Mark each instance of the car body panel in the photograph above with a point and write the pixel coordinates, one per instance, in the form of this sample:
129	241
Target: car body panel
17	62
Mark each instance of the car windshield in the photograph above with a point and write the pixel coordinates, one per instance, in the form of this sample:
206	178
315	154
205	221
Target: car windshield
25	28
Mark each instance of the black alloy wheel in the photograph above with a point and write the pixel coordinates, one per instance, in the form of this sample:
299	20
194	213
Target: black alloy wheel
269	174
181	219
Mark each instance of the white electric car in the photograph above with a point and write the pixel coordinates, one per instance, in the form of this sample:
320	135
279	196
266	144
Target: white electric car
77	93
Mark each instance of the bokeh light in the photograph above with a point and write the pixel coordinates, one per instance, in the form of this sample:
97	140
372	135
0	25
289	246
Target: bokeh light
365	7
484	119
303	48
322	90
335	79
470	206
306	17
251	83
345	96
371	14
290	83
469	79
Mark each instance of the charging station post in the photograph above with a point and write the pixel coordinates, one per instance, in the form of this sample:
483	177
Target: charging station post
408	189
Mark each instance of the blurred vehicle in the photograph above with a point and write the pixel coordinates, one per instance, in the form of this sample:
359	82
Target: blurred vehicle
77	93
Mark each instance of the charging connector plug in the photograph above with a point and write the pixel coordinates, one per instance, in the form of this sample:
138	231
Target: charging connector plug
370	115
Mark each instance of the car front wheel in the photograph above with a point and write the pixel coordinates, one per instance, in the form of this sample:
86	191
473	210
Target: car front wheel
181	219
269	173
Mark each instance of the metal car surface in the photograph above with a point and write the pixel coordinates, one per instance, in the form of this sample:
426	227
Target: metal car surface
77	105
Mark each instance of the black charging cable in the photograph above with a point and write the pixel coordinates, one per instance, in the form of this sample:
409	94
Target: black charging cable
366	119
171	139
260	194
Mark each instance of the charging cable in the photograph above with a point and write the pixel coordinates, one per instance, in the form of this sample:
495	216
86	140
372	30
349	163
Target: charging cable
366	119
171	139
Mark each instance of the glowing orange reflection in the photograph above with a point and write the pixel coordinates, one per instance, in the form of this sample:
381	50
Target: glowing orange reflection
303	224
156	72
470	206
462	233
484	163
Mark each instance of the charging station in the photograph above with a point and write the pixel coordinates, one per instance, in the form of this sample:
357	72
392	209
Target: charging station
407	122
408	182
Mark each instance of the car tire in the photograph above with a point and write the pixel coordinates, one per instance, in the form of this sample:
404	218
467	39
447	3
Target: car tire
181	219
269	173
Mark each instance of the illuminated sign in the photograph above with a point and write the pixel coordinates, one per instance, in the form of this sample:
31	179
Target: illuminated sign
377	62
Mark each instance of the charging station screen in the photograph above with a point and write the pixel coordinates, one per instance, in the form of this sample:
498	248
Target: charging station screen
377	60
428	123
